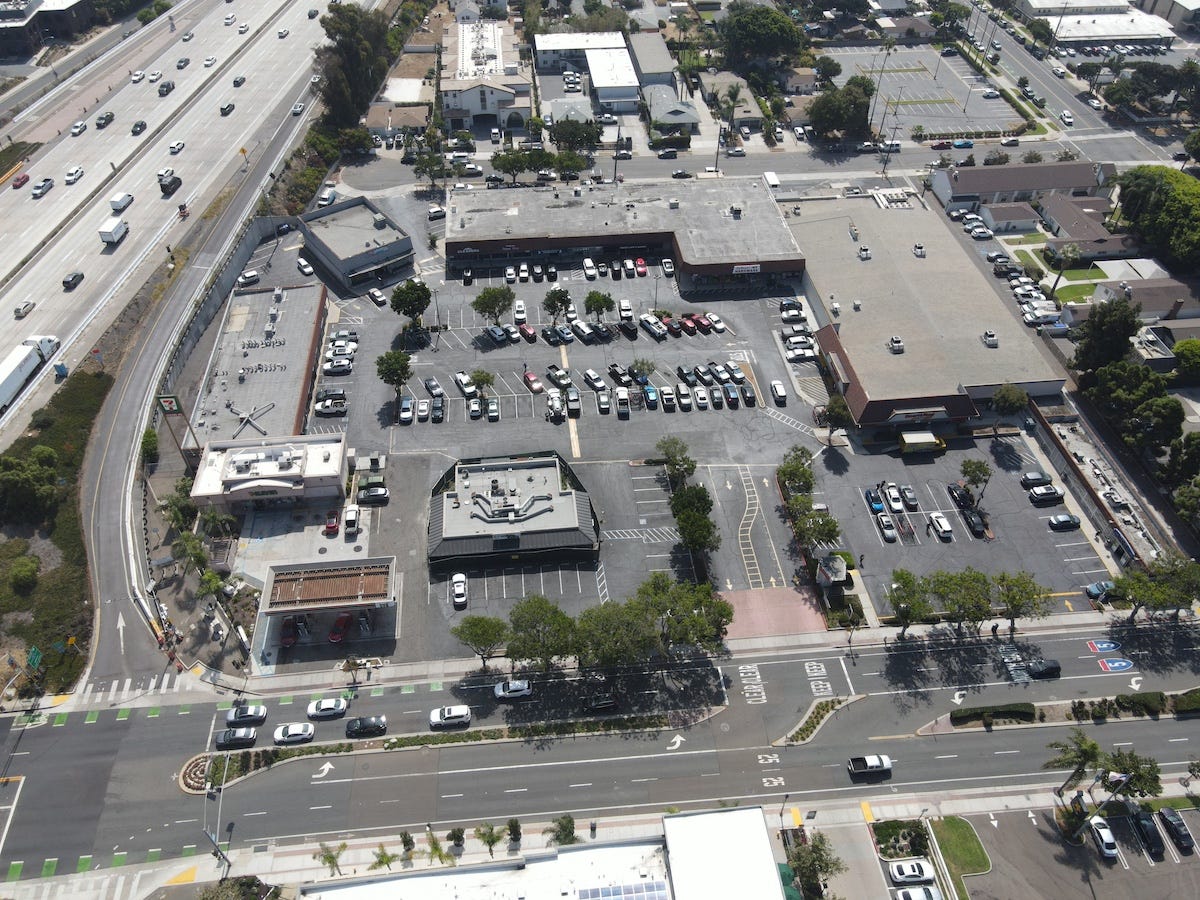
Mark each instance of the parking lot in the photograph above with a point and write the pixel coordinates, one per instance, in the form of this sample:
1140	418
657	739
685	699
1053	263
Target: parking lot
1018	537
919	87
1037	862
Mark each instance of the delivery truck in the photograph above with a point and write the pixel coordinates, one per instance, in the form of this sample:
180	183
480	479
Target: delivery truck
21	364
113	231
920	442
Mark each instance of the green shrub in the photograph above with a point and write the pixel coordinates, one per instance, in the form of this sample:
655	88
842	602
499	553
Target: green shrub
23	574
1022	712
1150	703
1187	702
150	446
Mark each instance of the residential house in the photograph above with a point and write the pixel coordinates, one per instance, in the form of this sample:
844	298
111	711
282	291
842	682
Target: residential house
466	12
798	80
651	59
1010	218
669	113
906	28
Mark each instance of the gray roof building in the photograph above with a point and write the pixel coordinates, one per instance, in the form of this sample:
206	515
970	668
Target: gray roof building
1009	184
667	110
651	59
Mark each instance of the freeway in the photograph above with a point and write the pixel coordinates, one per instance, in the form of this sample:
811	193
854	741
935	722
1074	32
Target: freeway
120	794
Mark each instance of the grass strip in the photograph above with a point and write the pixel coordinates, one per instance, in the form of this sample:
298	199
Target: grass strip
961	849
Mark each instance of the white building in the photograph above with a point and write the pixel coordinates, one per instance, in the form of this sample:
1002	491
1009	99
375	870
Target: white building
484	83
236	476
555	52
614	81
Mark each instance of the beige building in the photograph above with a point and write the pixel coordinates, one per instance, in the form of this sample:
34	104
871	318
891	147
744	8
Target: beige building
262	473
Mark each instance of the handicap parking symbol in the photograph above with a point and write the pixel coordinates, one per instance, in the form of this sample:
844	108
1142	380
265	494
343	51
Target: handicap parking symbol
1115	665
1103	646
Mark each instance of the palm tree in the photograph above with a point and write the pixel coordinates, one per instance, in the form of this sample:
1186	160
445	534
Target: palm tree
889	44
1068	256
1079	753
190	549
733	93
329	856
213	521
383	859
1189	81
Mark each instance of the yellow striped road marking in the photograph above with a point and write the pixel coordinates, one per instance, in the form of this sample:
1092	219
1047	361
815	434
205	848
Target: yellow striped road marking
187	876
797	820
868	816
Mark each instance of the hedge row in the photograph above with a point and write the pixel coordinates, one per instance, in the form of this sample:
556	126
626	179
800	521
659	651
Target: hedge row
1188	701
1022	712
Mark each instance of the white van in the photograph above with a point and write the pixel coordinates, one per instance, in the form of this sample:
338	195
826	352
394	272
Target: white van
890	146
495	135
630	268
120	201
327	196
249	277
626	311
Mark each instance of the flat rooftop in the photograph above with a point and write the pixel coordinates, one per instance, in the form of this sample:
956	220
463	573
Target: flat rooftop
242	464
480	49
699	874
499	497
349	230
1134	24
578	40
251	387
939	304
306	586
611	68
697	210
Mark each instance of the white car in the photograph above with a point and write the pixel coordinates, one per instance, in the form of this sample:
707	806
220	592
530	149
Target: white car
571	315
303	266
295	733
1094	103
519	315
701	395
422	410
668	267
990	94
510	274
447	716
886	527
1066	117
1103	836
78	128
891	494
137	76
595	382
243	28
1059	72
458	590
297	109
718	324
209	62
74	174
911	871
283	32
982	234
154	76
165	173
176	147
377	297
512	690
940	526
523	272
589	269
329	708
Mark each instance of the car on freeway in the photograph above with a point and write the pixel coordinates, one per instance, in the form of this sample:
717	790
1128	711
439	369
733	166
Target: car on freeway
297	109
227	109
1143	823
283	32
512	690
450	716
294	733
137	76
183	62
366	726
20	181
74	174
42	187
303	265
1103	836
209	62
341	625
963	144
236	738
909	496
377	494
874	501
1174	825
154	76
961	496
940	526
243	714
891	494
78	128
188	35
1043	668
1063	522
458	590
329	708
1046	493
243	28
71	281
886	527
239	80
911	871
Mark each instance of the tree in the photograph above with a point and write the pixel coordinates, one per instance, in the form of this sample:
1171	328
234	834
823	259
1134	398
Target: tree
796	470
1104	336
1041	32
489	835
596	303
431	165
642	366
688	614
837	414
1079	753
355	61
814	862
483	379
1031	156
964	596
394	369
511	163
615	634
1140	589
189	549
383	859
811	527
482	634
679	466
758	32
1023	82
1089	72
697	533
408	843
691	498
1119	93
910	599
568	163
540	631
562	831
210	584
493	302
213	522
1162	204
1009	399
329	856
1191	144
411	299
456	836
435	851
1143	777
577	137
513	827
1020	596
976	472
1066	257
1187	352
556	303
827	68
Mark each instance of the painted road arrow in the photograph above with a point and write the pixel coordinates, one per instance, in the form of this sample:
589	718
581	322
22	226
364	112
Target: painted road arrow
959	696
324	770
676	742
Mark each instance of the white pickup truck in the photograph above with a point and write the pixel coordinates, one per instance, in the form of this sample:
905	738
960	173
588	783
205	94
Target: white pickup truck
866	766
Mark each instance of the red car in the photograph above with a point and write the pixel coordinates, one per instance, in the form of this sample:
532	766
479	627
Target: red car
527	332
289	635
640	265
687	325
20	181
941	145
533	383
672	326
337	633
333	520
701	322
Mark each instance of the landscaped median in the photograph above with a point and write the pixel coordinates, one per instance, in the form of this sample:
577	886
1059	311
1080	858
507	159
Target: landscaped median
814	719
209	770
1144	704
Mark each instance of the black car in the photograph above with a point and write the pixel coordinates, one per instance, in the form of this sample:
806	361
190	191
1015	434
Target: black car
629	329
439	409
975	522
620	374
1043	668
1181	156
138	127
1176	827
1035	479
551	336
600	701
551	272
961	496
366	726
687	376
239	80
748	395
434	388
104	119
236	738
72	281
1143	821
331	394
226	109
